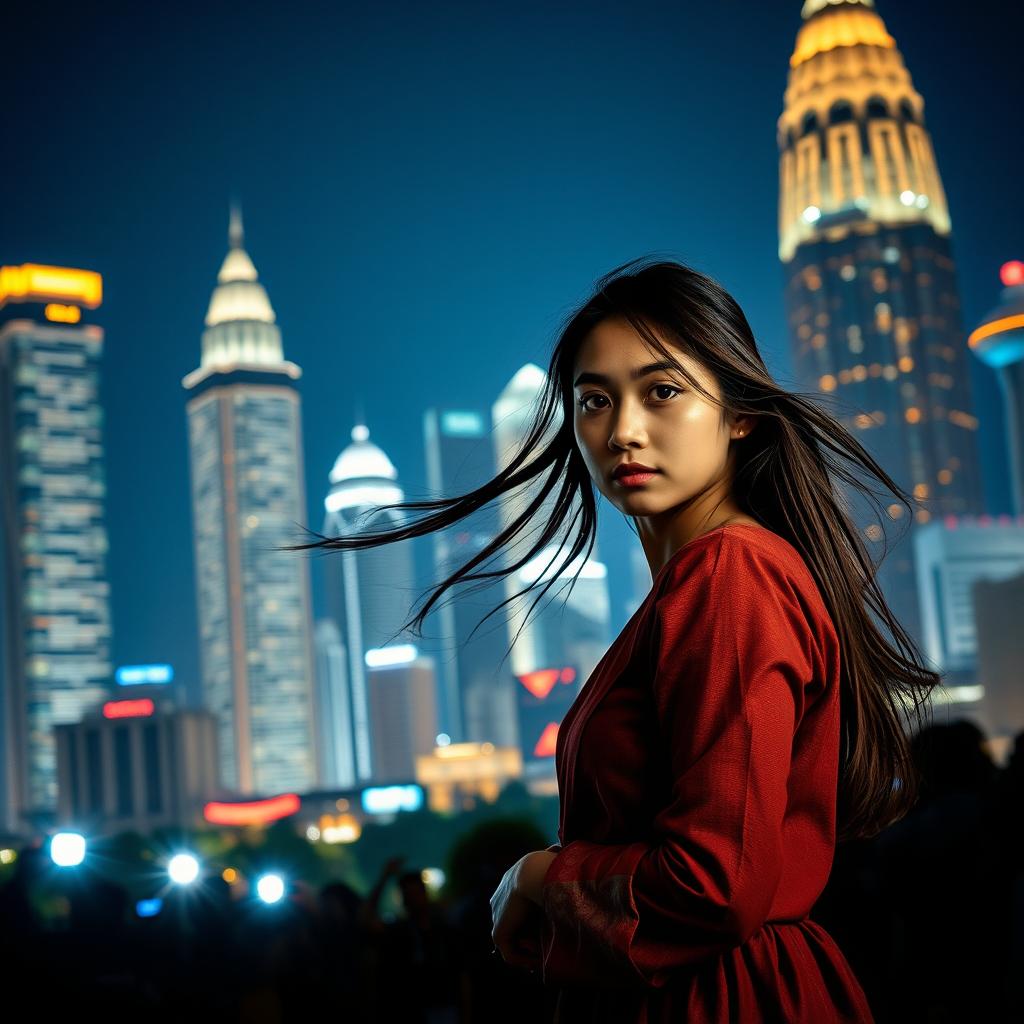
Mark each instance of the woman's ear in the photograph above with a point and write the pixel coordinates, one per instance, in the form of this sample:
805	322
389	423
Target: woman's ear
743	426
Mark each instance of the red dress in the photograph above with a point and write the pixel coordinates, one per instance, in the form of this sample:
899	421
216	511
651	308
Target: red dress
697	777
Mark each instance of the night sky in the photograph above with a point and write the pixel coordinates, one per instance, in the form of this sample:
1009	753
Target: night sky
427	190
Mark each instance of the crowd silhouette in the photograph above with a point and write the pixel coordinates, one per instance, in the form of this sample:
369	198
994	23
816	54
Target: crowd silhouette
930	915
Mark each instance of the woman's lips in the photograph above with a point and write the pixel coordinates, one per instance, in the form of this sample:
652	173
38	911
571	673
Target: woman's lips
637	479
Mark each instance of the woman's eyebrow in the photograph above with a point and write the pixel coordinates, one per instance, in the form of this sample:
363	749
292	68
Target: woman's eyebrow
636	374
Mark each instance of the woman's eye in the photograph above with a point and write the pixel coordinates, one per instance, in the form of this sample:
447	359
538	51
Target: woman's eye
582	403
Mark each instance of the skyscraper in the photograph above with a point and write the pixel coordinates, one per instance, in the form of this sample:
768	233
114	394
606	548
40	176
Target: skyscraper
460	458
56	593
245	442
370	592
871	292
333	708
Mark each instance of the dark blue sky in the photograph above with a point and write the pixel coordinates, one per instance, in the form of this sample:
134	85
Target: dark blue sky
427	190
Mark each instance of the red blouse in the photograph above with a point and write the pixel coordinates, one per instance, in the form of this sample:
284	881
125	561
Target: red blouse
697	775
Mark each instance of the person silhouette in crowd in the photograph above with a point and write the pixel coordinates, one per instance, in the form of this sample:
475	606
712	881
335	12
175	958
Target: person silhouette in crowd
419	972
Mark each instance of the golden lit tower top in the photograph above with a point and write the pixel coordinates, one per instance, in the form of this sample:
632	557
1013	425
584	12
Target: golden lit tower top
852	140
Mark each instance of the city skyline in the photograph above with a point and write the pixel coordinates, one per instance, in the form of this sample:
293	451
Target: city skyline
332	269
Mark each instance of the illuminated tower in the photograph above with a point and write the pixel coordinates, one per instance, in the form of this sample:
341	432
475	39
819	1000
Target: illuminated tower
871	293
999	342
248	494
370	592
56	594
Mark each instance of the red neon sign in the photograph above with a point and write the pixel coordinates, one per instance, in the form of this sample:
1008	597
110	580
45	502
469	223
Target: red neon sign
140	708
256	812
546	744
542	681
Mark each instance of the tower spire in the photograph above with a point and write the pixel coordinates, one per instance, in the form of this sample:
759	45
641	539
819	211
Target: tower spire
236	235
812	7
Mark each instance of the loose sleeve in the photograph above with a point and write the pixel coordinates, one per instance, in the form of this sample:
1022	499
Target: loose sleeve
732	650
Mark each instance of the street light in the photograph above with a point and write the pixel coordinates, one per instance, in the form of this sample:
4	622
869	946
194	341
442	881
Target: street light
67	849
270	888
183	869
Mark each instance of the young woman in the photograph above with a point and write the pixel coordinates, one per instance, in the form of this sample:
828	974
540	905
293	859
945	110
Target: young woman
748	716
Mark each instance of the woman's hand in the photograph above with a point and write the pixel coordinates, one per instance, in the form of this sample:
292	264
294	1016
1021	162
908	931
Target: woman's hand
515	911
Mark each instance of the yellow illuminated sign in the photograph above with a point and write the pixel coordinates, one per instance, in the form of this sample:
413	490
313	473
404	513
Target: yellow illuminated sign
35	282
60	314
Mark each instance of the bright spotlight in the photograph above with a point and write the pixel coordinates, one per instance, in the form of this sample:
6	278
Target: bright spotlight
812	214
67	849
907	197
270	888
183	868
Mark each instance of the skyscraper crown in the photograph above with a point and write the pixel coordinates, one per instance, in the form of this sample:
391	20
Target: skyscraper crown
852	140
239	294
240	323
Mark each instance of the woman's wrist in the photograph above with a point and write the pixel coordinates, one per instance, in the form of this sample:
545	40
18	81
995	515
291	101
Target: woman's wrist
530	876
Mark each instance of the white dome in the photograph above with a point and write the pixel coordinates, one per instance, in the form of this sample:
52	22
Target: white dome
528	378
362	459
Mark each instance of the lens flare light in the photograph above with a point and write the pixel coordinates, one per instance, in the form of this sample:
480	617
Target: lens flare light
183	869
270	888
67	849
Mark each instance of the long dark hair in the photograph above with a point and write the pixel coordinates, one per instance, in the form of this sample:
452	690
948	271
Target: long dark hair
784	478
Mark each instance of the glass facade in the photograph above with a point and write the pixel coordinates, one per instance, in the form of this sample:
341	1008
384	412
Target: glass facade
875	320
57	612
253	600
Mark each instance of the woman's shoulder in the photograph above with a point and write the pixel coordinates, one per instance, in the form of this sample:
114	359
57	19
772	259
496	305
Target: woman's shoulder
741	555
748	580
726	545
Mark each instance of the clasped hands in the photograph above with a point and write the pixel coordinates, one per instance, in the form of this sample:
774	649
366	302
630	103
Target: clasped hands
516	913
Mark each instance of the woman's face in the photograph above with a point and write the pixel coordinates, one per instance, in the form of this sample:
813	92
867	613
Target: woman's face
656	419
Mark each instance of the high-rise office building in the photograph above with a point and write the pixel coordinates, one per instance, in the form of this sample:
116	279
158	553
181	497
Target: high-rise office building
997	605
370	592
871	292
248	492
56	592
136	764
333	708
403	711
460	458
953	555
